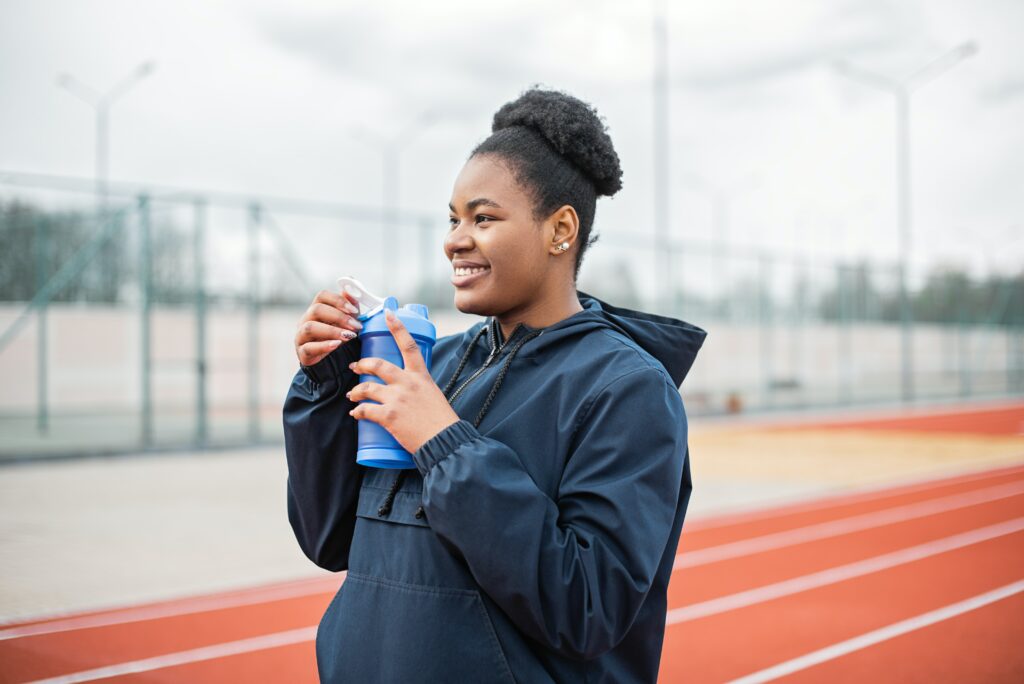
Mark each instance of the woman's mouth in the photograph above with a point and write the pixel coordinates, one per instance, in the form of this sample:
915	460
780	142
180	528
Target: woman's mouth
467	276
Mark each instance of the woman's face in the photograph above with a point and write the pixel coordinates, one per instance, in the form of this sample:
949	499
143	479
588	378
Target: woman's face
499	254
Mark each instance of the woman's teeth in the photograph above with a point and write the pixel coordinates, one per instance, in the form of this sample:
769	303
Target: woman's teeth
469	271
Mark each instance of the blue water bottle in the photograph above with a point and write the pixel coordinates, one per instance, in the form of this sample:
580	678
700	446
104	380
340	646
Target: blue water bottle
377	448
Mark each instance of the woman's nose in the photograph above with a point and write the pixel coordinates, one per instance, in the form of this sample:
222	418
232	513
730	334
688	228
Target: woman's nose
457	240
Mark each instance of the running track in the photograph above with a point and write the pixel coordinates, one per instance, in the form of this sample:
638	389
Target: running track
922	582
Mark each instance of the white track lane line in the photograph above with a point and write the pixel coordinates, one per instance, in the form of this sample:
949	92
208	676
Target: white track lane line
684	560
674	616
841	573
195	655
836	499
879	635
835	528
187	606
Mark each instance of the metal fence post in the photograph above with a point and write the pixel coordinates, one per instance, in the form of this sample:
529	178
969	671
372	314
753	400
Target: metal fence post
764	302
42	244
199	284
145	294
963	349
844	362
255	219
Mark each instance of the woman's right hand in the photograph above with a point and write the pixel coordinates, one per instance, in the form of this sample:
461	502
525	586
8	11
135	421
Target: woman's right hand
329	321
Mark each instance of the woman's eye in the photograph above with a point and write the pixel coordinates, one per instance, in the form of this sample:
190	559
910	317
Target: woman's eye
453	220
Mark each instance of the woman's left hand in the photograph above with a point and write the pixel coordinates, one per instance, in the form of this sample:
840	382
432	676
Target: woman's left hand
410	405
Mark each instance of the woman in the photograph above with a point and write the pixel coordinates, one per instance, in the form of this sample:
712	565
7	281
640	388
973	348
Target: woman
535	539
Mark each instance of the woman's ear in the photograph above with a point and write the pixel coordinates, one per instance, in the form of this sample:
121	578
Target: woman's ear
565	225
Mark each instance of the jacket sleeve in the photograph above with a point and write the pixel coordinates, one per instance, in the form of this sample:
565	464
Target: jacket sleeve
572	572
320	445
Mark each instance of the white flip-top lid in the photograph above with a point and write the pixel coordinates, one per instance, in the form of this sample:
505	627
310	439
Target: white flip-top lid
369	303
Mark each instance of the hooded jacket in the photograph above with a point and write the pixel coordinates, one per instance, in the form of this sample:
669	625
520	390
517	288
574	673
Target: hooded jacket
535	539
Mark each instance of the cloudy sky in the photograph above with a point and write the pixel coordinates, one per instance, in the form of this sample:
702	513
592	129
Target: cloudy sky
263	97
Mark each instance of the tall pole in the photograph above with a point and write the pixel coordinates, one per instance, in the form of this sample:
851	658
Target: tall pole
145	339
42	246
199	287
903	204
663	265
902	90
101	104
255	218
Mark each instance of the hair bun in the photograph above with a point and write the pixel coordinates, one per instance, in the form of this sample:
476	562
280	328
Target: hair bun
572	127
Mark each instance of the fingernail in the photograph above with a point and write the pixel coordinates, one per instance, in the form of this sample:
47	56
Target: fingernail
357	324
352	366
389	314
351	308
347	334
333	343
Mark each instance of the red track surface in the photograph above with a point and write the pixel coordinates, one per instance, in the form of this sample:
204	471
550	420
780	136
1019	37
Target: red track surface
942	542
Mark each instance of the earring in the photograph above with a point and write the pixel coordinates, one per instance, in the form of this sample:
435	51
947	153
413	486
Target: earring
562	247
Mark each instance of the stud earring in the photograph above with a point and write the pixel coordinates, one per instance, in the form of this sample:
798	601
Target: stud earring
562	247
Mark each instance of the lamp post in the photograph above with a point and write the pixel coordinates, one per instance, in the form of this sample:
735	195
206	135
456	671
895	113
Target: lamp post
901	90
663	257
101	104
391	149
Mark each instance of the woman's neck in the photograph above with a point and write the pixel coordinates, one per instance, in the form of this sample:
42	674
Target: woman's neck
542	313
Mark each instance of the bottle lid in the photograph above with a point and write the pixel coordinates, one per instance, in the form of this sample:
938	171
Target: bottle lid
415	317
369	303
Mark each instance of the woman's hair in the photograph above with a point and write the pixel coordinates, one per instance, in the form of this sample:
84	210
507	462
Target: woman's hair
558	149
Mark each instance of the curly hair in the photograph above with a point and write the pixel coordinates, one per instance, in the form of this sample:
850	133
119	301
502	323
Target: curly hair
558	149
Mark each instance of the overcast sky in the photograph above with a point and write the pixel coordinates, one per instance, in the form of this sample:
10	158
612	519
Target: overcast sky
261	97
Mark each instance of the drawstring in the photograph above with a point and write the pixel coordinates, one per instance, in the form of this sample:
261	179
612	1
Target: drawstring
501	375
463	361
385	508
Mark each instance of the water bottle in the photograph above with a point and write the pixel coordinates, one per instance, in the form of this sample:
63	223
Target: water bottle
377	448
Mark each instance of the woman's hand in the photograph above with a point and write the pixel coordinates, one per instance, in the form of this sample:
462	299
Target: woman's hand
410	406
329	321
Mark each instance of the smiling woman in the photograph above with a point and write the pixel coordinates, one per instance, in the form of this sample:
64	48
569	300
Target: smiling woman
535	538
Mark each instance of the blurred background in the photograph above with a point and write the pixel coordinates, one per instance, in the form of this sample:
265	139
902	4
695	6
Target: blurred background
832	189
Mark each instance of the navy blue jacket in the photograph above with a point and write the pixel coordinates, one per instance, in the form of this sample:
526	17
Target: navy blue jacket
535	540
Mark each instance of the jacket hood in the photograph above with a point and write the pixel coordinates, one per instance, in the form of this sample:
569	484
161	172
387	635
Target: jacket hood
674	343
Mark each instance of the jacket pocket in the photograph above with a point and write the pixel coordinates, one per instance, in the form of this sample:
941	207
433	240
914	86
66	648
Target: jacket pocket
382	630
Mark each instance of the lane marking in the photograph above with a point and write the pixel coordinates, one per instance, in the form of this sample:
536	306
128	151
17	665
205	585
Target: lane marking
840	573
195	655
189	606
841	526
314	586
847	497
879	635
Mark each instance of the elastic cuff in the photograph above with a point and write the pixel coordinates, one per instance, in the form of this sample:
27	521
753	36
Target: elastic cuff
334	365
444	443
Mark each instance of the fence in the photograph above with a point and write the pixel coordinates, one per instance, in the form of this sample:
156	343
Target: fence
158	317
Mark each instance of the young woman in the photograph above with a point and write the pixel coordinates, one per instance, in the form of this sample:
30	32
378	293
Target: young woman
535	539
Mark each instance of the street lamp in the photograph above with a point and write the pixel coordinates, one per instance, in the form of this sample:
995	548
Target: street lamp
902	90
390	149
101	103
659	89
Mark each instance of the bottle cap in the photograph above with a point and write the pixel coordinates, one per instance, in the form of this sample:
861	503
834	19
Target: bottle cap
369	303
